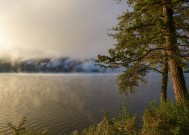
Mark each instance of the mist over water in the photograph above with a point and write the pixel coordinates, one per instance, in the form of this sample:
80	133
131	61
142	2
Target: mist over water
55	65
66	102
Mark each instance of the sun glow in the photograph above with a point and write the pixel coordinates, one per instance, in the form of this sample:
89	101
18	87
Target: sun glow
6	46
4	41
50	28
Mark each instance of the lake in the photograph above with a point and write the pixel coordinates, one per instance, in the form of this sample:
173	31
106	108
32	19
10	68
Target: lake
62	103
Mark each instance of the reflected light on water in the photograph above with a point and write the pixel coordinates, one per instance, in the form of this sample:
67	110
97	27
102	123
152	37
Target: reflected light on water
65	102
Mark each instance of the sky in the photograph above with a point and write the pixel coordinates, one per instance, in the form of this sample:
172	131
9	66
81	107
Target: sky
57	28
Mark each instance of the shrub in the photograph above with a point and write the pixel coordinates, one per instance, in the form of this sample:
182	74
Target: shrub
124	124
21	130
164	119
167	118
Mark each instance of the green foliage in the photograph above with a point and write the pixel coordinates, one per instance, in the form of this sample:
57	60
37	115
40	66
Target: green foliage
21	129
141	40
164	119
168	118
187	70
124	124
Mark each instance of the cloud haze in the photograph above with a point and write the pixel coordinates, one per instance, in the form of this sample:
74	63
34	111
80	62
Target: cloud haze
41	28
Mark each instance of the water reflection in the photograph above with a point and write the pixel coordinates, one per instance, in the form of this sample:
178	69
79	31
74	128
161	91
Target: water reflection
63	103
53	101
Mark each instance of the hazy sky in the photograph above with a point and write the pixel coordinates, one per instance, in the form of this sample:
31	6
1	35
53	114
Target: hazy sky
42	28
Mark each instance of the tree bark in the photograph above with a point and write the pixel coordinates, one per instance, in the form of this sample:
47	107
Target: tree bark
177	75
163	96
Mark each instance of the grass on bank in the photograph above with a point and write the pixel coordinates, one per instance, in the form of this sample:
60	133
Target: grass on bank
22	130
164	119
124	124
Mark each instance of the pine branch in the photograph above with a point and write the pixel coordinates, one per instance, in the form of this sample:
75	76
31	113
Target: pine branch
146	54
184	45
183	36
185	55
156	70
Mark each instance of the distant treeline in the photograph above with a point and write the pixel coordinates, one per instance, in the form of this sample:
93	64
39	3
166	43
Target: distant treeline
61	65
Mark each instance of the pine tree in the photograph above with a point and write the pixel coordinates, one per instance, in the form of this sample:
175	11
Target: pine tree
164	73
151	36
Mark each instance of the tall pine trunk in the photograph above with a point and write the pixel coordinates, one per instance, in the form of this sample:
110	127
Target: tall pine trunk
163	96
177	75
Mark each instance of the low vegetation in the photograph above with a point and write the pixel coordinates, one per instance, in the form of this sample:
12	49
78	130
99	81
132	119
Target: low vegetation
124	124
167	118
21	129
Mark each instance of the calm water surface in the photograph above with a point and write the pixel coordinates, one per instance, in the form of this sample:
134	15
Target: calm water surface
65	102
